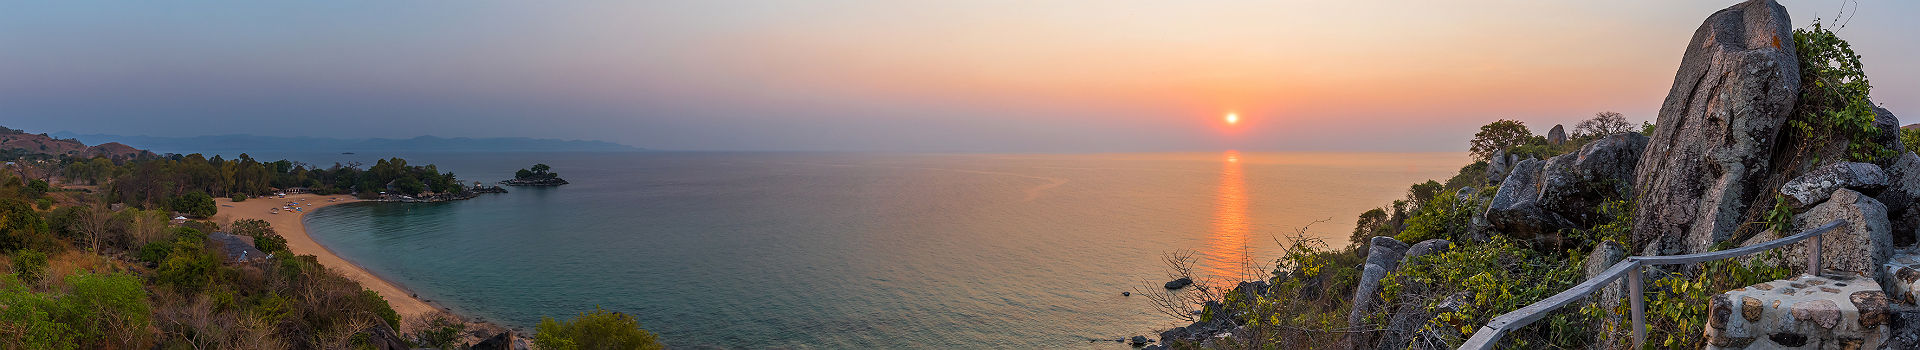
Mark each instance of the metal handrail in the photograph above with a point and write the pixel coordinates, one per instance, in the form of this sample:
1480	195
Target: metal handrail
1490	334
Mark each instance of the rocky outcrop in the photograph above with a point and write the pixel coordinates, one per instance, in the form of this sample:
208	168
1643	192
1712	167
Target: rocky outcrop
1574	185
1540	198
1410	314
1711	152
1557	136
1903	179
1498	165
1515	208
1383	256
502	341
1861	247
1816	185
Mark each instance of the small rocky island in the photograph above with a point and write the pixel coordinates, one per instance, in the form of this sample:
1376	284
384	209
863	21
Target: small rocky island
536	176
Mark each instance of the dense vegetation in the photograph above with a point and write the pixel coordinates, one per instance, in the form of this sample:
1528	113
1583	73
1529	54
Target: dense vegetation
93	262
159	181
538	172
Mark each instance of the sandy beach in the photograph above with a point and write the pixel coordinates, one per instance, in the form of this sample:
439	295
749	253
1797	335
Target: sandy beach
289	225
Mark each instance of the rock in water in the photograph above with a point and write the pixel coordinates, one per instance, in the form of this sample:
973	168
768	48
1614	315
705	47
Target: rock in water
1183	282
1138	340
1557	136
1818	184
1709	156
1861	246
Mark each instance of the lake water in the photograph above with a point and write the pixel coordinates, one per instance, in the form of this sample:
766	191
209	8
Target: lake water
836	251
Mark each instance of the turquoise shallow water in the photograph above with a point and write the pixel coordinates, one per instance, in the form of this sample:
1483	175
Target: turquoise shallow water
840	251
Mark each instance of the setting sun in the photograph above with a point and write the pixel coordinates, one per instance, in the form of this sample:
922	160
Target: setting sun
1233	118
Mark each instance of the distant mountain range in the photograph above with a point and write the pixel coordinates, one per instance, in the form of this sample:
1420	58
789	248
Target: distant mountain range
255	143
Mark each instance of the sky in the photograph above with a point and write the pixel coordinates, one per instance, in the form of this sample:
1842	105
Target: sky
887	76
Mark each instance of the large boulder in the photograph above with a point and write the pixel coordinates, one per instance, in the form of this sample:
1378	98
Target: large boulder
1516	209
1818	184
1557	136
1711	153
1383	256
1410	312
1565	192
502	341
1574	185
1903	180
1601	258
1861	246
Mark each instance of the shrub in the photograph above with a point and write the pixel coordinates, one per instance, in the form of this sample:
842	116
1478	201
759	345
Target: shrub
441	332
1833	94
189	267
1447	217
34	320
1910	138
99	306
1500	276
380	307
270	242
29	264
154	253
239	197
599	329
43	203
36	188
109	302
19	225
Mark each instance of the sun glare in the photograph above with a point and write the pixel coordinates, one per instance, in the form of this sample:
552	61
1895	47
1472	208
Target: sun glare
1233	118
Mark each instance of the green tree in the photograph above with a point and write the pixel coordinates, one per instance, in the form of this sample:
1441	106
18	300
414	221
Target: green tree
195	204
1498	136
37	188
19	225
599	329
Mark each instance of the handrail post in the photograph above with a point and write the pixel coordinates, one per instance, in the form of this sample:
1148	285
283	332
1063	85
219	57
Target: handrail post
1813	259
1636	292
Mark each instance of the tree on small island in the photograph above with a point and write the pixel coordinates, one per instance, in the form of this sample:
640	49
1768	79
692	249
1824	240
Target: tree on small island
538	175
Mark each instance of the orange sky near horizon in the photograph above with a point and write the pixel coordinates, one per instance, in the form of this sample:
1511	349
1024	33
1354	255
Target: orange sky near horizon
847	75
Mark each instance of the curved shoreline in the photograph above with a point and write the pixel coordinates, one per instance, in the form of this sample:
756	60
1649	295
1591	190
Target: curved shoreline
292	226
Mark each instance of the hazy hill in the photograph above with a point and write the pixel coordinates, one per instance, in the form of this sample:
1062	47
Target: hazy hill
27	144
255	143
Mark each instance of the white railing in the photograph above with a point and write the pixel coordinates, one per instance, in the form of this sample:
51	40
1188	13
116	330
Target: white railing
1490	335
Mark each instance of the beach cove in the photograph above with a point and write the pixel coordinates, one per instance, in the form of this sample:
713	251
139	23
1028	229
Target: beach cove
290	224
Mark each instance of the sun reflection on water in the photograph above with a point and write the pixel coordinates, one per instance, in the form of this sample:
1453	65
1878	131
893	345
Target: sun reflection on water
1226	257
